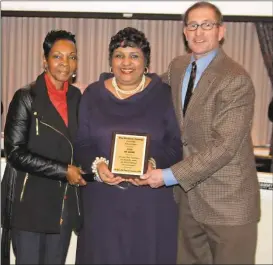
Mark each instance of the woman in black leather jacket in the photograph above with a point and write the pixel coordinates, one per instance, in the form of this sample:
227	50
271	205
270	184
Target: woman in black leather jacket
40	127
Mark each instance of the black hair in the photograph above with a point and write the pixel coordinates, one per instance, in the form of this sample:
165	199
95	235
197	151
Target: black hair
201	4
130	37
55	35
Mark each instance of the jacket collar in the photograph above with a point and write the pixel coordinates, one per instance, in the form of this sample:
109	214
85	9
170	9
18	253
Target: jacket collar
46	112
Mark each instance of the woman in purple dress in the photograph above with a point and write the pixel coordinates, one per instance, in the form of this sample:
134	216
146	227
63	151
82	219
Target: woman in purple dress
127	222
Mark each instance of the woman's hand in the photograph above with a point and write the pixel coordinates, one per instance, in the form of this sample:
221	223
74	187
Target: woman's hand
107	176
74	176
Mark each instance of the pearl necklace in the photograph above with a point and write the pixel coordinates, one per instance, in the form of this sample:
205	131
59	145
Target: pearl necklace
139	88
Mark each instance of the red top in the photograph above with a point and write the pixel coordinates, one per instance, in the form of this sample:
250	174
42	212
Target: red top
58	98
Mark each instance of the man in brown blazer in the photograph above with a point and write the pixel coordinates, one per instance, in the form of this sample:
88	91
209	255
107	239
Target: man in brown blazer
216	183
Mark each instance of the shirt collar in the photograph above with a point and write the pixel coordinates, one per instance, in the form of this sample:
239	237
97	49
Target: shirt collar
52	89
204	61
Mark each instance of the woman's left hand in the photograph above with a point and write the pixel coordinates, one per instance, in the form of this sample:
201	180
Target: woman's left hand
107	176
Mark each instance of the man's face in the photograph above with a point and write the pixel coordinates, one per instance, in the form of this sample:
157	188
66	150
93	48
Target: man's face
202	41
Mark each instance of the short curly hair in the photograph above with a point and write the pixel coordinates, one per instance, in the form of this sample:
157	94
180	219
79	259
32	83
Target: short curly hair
55	35
130	37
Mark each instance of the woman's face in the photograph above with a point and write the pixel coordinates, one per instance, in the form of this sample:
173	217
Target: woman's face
61	63
128	65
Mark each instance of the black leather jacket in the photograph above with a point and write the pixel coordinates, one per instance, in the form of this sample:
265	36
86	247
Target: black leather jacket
39	146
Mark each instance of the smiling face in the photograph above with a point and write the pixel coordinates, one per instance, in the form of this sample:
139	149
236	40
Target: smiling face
128	66
202	41
61	63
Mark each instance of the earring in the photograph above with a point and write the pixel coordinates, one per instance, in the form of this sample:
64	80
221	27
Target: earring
111	69
146	70
74	75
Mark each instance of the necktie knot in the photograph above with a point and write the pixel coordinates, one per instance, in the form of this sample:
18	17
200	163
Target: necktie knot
193	68
193	64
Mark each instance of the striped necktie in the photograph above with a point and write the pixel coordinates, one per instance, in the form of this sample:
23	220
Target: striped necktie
190	87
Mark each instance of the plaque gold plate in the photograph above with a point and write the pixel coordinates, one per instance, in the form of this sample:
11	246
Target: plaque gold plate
129	154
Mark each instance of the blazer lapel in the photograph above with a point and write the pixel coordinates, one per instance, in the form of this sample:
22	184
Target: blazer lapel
202	87
179	74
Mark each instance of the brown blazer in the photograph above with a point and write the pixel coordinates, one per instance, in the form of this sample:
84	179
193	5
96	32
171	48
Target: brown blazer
218	170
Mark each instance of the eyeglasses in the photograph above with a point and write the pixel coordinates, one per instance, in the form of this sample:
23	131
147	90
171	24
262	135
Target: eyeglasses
205	25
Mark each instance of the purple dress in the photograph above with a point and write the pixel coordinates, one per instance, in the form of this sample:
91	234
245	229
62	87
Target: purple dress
135	225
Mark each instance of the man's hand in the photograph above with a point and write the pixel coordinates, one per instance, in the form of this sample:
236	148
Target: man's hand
139	181
154	178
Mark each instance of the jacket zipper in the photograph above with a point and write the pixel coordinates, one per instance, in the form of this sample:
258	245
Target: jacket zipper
61	219
77	196
71	162
24	187
37	123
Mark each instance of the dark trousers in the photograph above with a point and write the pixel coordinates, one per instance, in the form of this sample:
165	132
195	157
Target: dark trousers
40	248
214	244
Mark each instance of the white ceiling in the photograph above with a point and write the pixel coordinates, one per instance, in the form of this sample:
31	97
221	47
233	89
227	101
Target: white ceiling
230	8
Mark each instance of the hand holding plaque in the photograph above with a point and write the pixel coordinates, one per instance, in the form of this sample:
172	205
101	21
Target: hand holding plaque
129	154
107	176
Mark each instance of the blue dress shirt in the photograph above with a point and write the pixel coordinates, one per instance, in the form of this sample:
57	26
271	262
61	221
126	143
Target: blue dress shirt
202	63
